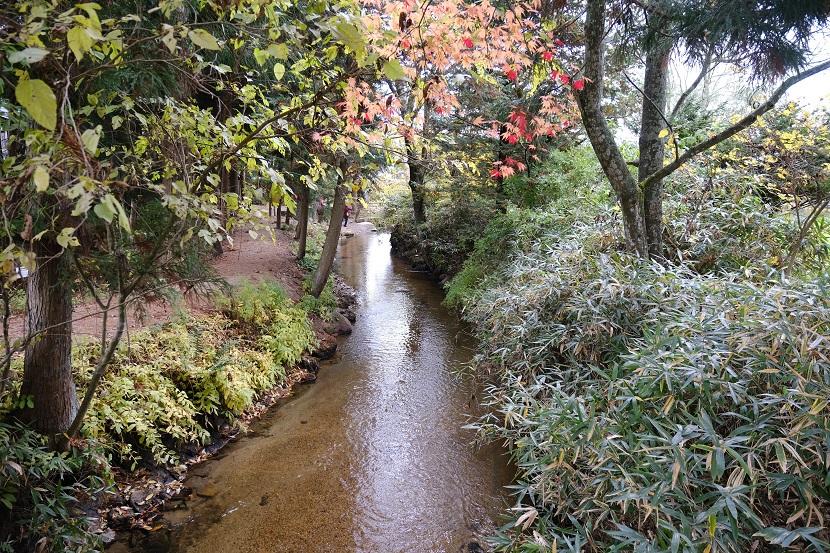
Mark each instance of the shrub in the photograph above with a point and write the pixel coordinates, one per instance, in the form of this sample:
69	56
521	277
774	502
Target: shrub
40	491
164	389
325	306
657	409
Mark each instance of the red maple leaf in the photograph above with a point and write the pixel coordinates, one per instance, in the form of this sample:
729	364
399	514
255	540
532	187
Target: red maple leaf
495	173
512	75
468	42
405	43
512	139
579	84
555	75
547	56
559	42
565	79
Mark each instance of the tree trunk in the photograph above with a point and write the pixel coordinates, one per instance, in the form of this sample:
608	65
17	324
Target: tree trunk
47	364
279	214
302	221
321	275
602	140
652	147
416	179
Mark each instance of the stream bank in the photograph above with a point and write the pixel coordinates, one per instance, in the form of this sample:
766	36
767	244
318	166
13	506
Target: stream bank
372	456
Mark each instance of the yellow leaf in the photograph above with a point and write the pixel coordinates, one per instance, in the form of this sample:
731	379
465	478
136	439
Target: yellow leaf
41	178
675	473
279	71
169	40
90	138
79	41
39	100
203	39
664	133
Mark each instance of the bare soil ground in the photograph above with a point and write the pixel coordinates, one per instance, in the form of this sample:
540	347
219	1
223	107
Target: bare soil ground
248	258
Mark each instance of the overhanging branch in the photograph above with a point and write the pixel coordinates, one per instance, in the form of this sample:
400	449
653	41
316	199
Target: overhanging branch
744	123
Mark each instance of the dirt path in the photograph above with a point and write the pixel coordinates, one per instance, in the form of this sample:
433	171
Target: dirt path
248	258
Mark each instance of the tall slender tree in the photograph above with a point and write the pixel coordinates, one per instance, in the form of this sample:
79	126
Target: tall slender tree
771	38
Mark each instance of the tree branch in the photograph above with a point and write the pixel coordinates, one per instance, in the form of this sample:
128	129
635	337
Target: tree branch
737	127
707	64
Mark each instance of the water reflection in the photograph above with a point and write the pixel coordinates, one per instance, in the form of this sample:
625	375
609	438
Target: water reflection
372	458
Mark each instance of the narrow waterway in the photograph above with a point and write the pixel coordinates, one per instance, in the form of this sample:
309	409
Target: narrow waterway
370	458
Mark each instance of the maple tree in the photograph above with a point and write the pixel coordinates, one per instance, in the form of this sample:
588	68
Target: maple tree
439	53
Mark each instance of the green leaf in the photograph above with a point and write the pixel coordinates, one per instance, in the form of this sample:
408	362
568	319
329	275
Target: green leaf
275	194
41	178
79	41
123	220
279	71
279	51
203	39
28	55
260	56
39	100
393	70
350	36
91	9
104	211
290	204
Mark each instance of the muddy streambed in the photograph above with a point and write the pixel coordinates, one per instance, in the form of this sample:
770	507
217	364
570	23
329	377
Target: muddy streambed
372	457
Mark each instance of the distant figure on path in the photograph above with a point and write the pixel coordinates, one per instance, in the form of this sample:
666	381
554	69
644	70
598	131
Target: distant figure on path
346	213
319	210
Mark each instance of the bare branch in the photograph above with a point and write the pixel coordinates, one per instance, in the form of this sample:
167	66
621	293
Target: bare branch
707	65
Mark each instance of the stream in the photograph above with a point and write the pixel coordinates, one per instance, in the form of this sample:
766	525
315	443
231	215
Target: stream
370	458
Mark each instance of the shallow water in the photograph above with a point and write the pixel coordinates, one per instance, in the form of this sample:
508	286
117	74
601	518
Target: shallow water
370	458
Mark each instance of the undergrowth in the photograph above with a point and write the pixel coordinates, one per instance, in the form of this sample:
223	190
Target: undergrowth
649	407
173	381
656	408
165	389
41	492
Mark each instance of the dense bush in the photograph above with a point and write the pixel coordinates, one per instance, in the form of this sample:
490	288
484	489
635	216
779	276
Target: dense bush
657	409
564	177
41	490
162	390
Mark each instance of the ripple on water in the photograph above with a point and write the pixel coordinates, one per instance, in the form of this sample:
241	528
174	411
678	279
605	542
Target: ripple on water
372	458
